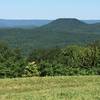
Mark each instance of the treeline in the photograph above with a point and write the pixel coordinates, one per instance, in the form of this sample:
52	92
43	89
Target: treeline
70	60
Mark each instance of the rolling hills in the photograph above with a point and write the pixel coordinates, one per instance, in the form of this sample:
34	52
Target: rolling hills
29	23
59	32
91	21
22	23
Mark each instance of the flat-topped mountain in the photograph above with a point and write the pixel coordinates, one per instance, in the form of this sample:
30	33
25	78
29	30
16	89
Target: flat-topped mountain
67	21
70	25
64	25
59	32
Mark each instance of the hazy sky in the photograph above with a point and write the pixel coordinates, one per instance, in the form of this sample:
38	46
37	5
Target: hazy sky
49	9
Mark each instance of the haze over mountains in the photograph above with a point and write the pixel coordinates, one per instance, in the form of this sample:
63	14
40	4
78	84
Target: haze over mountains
6	23
91	21
22	23
60	32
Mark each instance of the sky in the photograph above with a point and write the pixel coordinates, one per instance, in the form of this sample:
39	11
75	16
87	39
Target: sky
49	9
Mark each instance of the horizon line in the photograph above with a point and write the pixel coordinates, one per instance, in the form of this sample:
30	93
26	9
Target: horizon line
46	18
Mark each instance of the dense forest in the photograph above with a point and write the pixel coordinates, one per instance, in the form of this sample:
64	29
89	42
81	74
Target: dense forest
60	33
69	60
62	47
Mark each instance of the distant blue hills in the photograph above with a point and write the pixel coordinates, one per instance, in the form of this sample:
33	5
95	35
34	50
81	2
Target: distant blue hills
91	21
32	23
22	23
48	33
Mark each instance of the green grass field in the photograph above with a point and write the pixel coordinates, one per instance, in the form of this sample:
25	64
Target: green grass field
51	88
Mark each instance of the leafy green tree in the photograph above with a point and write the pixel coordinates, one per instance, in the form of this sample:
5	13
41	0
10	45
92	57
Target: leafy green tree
11	62
32	69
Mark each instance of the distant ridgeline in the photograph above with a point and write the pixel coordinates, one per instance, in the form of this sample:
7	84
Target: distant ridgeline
22	23
49	34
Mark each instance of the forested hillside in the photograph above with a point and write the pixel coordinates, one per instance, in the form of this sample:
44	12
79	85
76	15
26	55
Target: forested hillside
57	33
62	47
69	60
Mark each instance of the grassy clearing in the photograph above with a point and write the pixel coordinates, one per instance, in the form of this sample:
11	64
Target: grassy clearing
51	88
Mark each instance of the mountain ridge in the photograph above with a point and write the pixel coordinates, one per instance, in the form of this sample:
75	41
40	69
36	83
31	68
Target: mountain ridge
23	23
4	23
60	32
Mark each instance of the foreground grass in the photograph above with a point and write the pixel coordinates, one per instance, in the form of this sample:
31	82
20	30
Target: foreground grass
51	88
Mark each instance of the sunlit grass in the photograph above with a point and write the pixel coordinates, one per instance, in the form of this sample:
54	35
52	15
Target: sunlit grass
51	88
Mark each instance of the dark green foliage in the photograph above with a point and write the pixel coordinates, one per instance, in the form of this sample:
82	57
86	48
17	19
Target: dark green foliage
49	51
57	33
71	60
12	63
